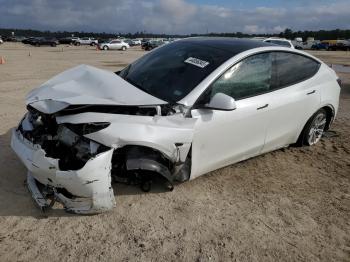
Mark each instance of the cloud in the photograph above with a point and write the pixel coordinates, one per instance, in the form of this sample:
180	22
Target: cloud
170	16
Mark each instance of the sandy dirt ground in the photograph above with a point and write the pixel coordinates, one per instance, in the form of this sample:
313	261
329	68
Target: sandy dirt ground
289	205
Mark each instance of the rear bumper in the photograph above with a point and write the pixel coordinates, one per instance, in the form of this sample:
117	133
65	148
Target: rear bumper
89	188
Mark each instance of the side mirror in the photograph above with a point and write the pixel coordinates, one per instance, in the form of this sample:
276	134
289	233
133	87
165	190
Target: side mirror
220	101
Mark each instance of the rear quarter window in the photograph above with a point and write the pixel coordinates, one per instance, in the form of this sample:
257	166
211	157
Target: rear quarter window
291	68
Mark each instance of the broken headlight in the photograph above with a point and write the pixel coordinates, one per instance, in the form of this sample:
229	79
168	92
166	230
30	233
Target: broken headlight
75	150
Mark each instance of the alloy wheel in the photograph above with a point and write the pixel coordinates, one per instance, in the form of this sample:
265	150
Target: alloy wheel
317	128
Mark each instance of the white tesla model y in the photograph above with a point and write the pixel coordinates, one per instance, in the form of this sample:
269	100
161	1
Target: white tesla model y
178	112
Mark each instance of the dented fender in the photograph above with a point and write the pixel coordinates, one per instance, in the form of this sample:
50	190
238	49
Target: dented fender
171	135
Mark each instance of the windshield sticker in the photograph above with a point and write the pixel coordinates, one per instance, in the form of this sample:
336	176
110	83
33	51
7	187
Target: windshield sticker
196	62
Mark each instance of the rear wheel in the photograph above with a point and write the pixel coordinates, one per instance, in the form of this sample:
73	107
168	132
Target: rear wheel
314	128
123	48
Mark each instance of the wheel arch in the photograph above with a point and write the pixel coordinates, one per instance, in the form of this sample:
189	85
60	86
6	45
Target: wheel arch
330	111
133	157
330	114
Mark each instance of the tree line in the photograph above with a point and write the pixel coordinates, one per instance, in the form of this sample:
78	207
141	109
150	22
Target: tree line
287	33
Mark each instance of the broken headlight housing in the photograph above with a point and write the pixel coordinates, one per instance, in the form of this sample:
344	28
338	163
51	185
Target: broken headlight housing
77	148
65	142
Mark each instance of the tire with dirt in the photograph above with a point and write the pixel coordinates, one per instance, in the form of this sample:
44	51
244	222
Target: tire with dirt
314	128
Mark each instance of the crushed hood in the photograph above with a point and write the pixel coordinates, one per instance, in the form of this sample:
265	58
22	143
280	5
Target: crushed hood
87	85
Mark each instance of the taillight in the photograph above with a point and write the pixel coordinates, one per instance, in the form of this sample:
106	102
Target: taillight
339	81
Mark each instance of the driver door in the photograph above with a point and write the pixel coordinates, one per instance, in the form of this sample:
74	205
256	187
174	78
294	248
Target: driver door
225	137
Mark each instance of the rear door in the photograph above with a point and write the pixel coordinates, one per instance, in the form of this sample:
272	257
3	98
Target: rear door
296	97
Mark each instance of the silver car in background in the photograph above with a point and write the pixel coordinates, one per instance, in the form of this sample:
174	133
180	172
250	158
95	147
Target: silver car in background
114	44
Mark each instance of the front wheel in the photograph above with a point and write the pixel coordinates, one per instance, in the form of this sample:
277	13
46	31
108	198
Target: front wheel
314	128
105	47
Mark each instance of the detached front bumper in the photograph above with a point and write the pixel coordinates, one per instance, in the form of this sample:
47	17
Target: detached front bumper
88	189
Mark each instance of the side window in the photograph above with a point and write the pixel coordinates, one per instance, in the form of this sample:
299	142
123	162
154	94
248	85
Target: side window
252	76
292	68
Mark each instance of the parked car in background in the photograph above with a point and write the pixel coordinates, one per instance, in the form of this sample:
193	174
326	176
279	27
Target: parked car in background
86	41
306	44
153	44
320	46
13	38
129	42
103	40
342	46
280	41
144	42
28	40
183	110
136	42
298	46
68	40
115	44
40	41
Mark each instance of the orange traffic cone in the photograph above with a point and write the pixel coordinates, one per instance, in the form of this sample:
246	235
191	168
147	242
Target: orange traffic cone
2	60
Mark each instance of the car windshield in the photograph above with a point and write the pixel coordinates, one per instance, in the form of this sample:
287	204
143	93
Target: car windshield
174	70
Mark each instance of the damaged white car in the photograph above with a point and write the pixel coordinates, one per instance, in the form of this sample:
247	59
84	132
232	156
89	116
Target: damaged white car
179	112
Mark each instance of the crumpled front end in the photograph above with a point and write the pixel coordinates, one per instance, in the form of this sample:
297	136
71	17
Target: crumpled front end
72	154
86	126
64	166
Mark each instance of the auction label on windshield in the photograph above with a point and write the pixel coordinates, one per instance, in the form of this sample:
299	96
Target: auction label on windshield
196	62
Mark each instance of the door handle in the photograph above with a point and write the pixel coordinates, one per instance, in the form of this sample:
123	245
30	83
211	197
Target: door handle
262	107
312	92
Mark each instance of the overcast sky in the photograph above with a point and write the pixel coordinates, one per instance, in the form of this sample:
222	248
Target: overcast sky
175	16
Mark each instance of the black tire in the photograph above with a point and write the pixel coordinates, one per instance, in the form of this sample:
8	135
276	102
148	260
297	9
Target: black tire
93	44
77	44
123	48
313	129
53	45
105	47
